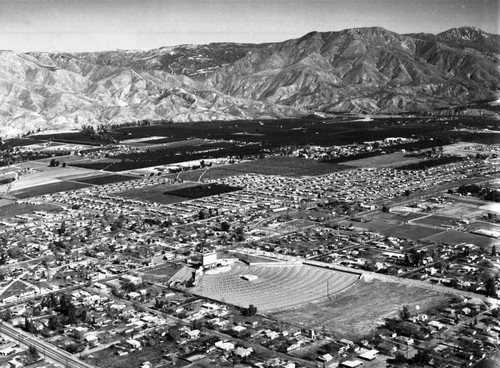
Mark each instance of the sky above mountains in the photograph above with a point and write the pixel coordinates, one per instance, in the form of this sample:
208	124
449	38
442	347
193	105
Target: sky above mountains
96	25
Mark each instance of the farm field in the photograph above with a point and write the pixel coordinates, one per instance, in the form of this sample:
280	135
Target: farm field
412	232
361	309
278	286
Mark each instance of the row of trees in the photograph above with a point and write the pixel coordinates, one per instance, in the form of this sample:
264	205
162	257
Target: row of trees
488	194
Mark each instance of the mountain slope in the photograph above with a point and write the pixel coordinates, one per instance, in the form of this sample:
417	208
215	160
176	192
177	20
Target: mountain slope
40	90
362	70
367	70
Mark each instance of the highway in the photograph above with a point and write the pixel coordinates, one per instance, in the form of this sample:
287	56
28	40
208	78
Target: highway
60	356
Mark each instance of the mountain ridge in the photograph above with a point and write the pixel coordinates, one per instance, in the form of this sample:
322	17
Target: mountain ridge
360	70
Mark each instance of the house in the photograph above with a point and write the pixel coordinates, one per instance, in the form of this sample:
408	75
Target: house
134	344
369	354
239	329
225	345
325	358
351	363
242	352
192	334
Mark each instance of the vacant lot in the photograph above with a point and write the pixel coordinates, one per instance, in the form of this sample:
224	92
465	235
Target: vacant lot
362	308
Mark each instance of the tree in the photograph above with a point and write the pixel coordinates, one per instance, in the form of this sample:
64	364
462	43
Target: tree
28	325
32	354
225	226
7	315
54	323
404	314
491	289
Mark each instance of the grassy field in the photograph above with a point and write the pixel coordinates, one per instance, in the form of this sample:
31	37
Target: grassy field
361	309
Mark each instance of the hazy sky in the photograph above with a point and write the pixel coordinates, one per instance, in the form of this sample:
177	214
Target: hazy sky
94	25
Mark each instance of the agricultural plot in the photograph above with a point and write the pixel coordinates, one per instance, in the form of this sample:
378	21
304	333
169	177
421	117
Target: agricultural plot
412	232
362	308
276	287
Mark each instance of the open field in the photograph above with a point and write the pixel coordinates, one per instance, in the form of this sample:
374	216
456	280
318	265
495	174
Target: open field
163	272
155	193
361	309
436	221
457	237
14	209
278	286
104	179
390	160
202	190
285	166
412	232
16	288
51	188
426	164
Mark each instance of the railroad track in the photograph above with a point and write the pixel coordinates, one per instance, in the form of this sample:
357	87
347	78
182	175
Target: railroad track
47	350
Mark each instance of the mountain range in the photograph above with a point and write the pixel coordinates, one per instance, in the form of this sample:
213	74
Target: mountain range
361	70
